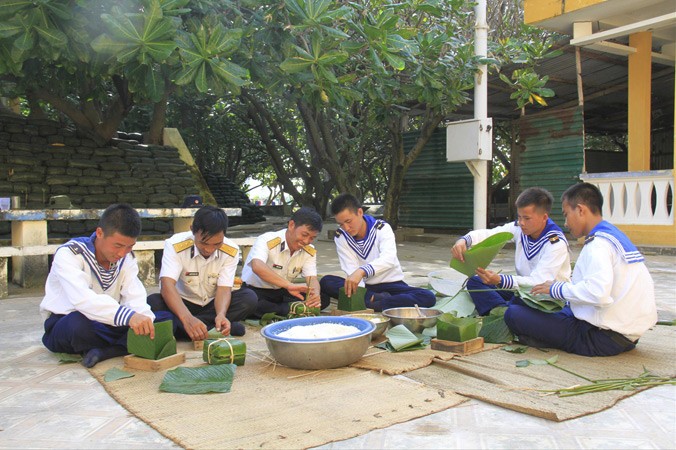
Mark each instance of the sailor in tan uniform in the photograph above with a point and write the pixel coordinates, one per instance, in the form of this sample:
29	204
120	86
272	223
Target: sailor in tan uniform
278	258
197	279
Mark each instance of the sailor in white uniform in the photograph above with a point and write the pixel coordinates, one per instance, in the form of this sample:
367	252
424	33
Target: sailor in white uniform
197	279
278	258
367	251
93	294
611	299
541	252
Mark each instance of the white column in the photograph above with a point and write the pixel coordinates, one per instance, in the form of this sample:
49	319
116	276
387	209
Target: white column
479	168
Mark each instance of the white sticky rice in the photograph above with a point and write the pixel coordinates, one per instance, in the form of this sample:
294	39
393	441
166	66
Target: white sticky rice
318	331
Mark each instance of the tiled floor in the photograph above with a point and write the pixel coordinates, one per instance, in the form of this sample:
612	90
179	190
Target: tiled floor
47	405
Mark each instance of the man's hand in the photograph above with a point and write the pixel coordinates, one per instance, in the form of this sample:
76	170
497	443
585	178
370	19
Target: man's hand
487	276
542	288
352	282
297	290
313	300
195	328
142	325
222	324
458	250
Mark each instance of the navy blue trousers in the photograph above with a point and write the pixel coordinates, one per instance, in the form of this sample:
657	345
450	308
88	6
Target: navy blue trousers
242	305
388	295
489	299
564	331
75	333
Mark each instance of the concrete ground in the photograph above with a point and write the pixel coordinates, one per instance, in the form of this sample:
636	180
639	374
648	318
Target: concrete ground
47	405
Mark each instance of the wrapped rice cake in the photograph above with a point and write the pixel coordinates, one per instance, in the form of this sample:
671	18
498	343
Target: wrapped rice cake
224	351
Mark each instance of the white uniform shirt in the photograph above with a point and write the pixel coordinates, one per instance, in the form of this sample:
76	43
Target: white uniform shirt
76	282
608	292
197	277
376	254
544	259
273	250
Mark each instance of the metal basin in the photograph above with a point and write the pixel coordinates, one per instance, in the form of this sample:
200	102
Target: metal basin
410	318
315	354
381	322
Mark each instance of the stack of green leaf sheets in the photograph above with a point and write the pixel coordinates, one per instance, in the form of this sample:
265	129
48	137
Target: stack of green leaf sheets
224	351
353	303
542	302
494	330
163	345
458	329
400	338
481	254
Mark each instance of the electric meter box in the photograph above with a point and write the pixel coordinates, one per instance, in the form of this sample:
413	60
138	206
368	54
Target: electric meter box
469	140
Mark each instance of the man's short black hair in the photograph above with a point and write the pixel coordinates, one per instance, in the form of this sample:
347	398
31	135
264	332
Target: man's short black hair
542	199
307	216
586	194
209	220
120	218
343	202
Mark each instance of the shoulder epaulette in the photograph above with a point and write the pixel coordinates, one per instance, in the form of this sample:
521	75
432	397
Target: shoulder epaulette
228	250
310	250
337	234
76	249
380	224
272	243
183	245
588	239
554	239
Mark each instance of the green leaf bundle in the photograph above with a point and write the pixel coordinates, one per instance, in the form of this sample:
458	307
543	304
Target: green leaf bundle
300	309
481	254
353	303
458	329
199	380
542	302
162	346
224	351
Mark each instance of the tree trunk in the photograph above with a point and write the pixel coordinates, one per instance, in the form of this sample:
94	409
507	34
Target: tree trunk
157	121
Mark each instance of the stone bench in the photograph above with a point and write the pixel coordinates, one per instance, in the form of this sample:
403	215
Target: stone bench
144	251
29	229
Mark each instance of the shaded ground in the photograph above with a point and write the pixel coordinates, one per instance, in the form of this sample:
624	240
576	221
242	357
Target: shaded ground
47	405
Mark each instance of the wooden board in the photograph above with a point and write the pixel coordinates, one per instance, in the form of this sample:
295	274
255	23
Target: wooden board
461	348
151	365
199	345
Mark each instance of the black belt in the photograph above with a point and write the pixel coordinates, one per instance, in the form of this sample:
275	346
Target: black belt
618	338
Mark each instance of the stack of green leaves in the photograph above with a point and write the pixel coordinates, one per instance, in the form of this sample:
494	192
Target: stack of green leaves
461	304
224	351
353	303
458	329
163	345
481	254
268	318
199	380
542	302
400	338
494	330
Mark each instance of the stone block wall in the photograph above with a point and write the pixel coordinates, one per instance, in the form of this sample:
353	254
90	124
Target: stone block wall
42	158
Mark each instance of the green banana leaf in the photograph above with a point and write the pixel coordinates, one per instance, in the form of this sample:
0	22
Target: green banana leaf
67	358
115	374
444	282
214	334
542	302
461	304
401	338
199	380
494	330
145	347
481	254
169	349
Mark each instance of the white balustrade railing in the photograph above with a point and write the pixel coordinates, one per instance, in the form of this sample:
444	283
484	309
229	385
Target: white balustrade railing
636	198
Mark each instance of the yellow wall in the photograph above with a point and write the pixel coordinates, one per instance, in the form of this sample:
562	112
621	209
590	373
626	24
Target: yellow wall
537	10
